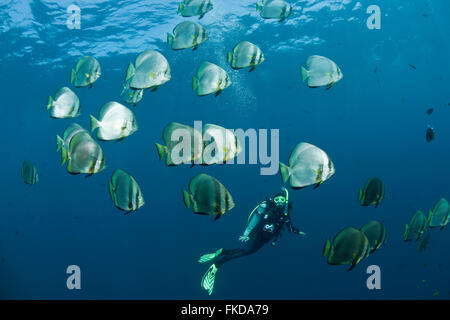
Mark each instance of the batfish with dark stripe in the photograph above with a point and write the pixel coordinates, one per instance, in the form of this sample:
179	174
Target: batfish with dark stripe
174	136
373	193
416	227
349	246
375	232
125	192
208	196
84	155
29	173
439	216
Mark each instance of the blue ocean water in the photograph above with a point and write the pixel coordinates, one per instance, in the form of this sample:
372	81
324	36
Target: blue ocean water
371	123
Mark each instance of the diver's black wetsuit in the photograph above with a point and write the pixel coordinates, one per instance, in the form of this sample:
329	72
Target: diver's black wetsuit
270	223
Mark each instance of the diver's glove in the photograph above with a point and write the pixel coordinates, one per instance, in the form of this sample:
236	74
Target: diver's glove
296	231
244	238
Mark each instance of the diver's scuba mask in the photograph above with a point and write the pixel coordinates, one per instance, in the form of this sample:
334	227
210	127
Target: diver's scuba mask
280	200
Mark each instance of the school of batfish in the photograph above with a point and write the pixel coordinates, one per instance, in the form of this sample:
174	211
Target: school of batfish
307	165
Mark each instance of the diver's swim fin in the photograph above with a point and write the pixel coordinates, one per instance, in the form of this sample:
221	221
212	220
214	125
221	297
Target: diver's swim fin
209	278
209	256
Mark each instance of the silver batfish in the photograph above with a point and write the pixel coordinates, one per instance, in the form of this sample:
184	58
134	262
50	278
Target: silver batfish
86	72
245	54
65	104
191	8
210	78
115	122
125	192
151	70
186	35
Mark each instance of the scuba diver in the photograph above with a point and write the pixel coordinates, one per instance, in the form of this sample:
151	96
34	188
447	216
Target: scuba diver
265	223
